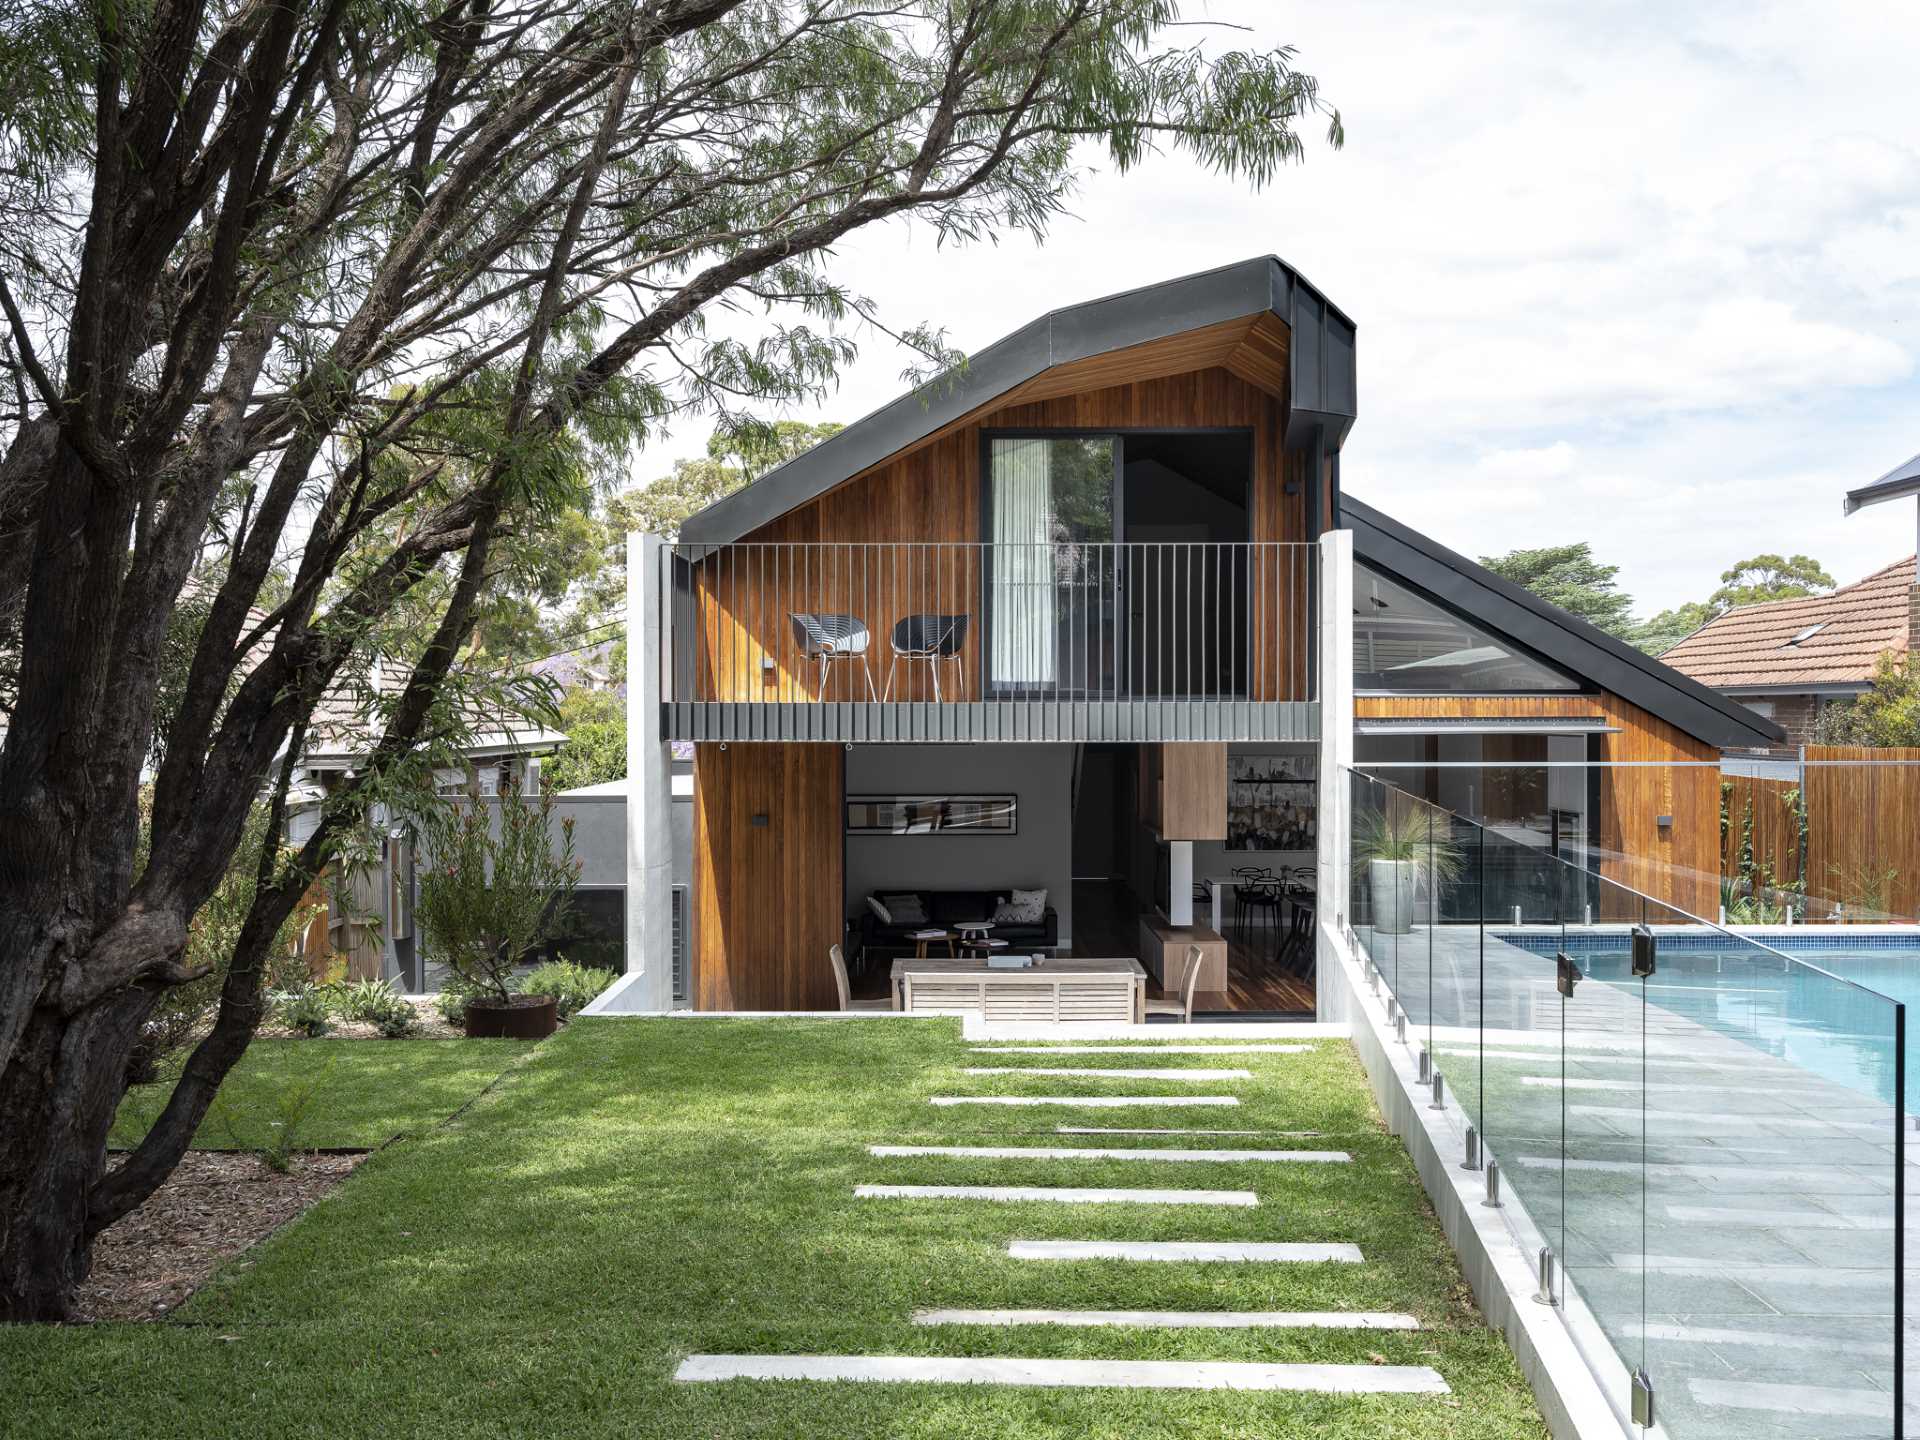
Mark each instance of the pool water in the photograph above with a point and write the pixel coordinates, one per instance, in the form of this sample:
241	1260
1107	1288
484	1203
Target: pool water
1833	1015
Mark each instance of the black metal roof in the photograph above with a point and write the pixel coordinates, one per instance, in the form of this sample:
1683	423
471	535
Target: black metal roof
1588	652
1320	367
1896	484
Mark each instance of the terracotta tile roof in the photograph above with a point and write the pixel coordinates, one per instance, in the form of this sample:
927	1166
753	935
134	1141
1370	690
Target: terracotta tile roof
1753	645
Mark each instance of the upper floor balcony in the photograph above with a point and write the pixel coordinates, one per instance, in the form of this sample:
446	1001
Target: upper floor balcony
1139	641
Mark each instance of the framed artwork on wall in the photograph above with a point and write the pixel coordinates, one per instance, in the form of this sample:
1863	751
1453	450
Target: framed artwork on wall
932	814
1272	802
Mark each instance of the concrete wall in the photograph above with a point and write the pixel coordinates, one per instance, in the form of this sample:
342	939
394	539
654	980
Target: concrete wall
1040	853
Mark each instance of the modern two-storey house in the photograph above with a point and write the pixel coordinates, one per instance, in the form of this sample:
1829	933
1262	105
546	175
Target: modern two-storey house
1093	621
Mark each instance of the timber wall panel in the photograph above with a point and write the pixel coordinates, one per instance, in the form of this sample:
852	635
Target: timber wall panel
929	497
1679	866
767	897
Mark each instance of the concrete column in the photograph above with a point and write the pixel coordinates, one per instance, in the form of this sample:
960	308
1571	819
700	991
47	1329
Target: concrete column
649	782
1336	744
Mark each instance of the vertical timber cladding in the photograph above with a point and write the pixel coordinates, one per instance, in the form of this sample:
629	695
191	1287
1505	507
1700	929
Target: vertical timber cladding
1679	864
769	893
930	497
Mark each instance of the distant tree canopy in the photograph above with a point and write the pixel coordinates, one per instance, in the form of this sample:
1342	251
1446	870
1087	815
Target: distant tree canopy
1769	577
1569	576
1670	627
736	456
595	724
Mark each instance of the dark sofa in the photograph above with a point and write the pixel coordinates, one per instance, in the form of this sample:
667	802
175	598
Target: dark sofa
948	908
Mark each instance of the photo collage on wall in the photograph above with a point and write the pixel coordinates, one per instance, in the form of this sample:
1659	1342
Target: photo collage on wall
1271	802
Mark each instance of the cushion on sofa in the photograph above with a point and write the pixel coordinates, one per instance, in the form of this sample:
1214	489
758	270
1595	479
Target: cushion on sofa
1021	907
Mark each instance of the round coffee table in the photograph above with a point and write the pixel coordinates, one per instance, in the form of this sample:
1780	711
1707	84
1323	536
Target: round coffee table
923	938
974	935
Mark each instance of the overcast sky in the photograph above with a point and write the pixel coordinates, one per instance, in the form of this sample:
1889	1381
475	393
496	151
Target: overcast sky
1642	275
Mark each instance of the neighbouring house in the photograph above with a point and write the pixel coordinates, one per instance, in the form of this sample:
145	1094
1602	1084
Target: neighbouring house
1790	659
1089	626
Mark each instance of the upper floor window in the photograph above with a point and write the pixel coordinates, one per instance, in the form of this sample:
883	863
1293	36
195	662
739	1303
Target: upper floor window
1404	643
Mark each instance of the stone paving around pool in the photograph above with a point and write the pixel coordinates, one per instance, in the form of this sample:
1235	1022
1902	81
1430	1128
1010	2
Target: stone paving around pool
1726	1215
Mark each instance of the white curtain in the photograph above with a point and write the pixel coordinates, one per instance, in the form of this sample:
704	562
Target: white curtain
1021	474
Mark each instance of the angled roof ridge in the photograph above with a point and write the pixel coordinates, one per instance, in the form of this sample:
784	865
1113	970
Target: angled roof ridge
1319	377
1584	648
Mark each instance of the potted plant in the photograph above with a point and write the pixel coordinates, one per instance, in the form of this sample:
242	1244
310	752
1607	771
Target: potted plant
1403	844
490	893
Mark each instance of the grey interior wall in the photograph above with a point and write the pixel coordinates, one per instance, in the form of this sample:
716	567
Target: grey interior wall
1039	853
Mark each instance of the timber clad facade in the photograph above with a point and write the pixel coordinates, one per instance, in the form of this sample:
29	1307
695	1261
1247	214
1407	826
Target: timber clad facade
1102	537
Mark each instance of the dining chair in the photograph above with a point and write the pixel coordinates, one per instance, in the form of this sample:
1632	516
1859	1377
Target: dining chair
827	638
928	639
838	959
1298	951
1183	1007
1260	892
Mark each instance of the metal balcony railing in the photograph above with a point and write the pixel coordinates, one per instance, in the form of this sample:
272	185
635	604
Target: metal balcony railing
1102	638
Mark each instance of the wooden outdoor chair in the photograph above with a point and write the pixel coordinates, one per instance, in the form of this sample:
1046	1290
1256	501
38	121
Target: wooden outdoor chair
1183	1007
840	983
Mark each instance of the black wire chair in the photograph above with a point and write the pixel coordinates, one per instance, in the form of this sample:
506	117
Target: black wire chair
928	639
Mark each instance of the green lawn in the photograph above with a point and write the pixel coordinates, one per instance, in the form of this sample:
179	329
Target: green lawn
636	1191
359	1093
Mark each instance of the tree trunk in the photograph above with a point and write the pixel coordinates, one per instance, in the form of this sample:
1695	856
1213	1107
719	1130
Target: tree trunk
58	1095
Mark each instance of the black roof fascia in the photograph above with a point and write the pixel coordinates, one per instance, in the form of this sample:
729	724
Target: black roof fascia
1321	366
1570	642
1896	484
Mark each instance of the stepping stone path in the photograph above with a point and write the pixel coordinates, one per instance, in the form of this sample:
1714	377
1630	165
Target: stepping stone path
1145	1050
1057	1070
1076	1374
1077	1152
1111	1102
1179	1319
1065	1195
1264	1252
1115	1374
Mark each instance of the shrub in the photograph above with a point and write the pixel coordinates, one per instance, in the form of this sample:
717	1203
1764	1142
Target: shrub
487	897
452	1002
572	986
308	1009
368	999
399	1022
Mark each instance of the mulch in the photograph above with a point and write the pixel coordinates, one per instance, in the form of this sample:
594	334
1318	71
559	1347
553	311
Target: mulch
214	1206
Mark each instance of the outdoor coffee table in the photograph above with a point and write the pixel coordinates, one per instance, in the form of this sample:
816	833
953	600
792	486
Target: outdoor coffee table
1050	990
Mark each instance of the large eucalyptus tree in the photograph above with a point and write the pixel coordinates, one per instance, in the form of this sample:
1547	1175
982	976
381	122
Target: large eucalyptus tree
313	307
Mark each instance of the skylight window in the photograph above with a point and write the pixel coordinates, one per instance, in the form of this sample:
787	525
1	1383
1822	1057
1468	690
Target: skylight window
1808	633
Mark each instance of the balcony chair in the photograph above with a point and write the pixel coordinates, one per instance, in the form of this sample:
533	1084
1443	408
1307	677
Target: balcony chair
827	638
1183	1007
929	638
841	984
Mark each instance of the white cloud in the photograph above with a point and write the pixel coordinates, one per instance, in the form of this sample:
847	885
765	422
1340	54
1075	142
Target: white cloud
1639	274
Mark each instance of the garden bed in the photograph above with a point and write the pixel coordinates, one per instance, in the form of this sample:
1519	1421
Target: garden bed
213	1207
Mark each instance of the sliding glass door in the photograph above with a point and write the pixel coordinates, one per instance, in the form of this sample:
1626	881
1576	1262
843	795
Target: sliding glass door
1053	572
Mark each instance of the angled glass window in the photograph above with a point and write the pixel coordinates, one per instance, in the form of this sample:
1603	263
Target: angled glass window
1405	644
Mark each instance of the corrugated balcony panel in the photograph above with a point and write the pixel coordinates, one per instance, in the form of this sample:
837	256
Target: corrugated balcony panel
969	722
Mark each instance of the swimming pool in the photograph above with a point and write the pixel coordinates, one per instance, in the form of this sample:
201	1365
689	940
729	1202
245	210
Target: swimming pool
1832	1014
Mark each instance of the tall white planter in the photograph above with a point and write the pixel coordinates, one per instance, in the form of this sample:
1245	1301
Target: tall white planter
1394	885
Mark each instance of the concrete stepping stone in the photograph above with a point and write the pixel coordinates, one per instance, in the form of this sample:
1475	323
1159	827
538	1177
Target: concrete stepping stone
1080	1152
1179	1319
1109	1102
1075	1374
1176	1130
1066	1195
1089	1074
1144	1050
1268	1252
